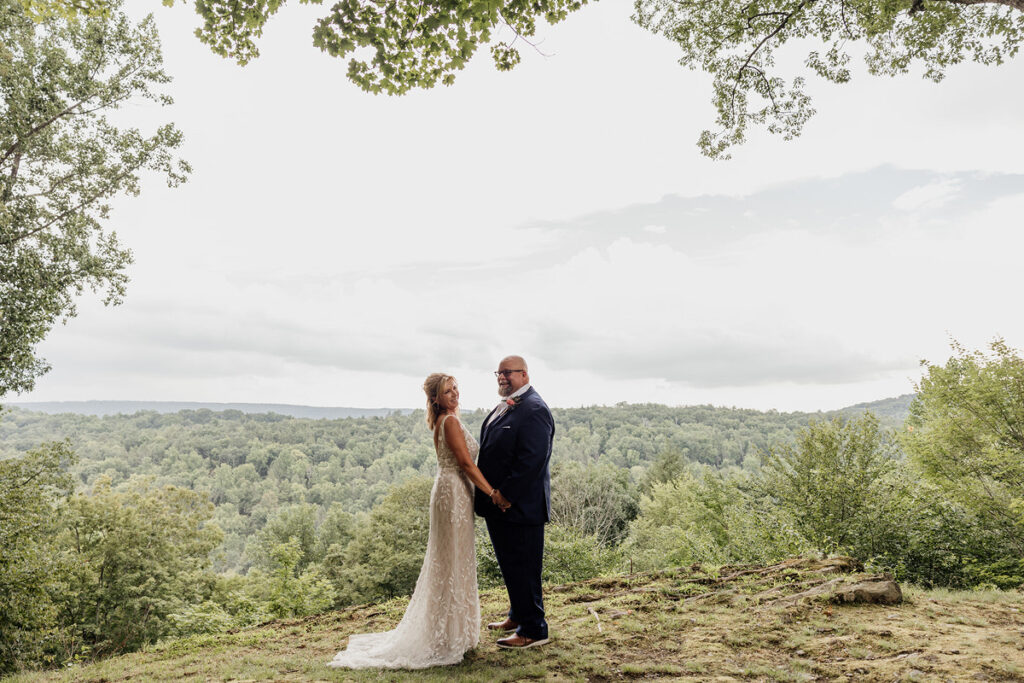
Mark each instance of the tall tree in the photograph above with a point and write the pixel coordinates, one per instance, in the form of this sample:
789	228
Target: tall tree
135	557
31	487
832	480
966	433
712	518
386	553
62	160
597	500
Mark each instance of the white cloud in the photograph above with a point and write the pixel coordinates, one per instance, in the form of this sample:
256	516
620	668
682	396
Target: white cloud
773	315
333	247
932	196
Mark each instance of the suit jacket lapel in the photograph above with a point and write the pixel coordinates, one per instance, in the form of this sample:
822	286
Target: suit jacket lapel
486	427
492	423
488	423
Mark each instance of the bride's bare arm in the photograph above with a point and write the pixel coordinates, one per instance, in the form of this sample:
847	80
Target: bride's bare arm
456	441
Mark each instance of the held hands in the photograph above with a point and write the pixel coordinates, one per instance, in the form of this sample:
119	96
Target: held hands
500	500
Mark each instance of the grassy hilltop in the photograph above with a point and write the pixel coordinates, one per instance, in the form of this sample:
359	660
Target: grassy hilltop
730	623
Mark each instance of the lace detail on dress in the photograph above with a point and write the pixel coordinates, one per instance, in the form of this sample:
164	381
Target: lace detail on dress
442	620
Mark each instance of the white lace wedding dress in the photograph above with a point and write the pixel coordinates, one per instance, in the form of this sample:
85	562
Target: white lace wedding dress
442	620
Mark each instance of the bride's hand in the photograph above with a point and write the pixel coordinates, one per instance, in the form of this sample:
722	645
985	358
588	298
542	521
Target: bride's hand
500	500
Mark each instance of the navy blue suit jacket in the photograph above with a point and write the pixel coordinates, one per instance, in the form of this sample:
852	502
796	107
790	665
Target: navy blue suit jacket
515	451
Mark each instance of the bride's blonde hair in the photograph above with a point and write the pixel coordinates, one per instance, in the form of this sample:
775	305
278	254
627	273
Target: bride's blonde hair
433	386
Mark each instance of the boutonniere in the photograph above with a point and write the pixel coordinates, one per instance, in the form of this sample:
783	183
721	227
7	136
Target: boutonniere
512	402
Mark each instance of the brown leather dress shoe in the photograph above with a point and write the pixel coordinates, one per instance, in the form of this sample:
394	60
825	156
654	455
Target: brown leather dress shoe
518	642
507	625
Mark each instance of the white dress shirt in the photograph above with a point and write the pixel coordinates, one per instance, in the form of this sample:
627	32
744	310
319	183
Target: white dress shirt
503	407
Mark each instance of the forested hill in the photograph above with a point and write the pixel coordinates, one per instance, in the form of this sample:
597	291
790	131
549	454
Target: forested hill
254	465
131	407
895	408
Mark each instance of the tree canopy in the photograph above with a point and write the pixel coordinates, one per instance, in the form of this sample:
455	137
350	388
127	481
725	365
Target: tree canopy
393	46
62	159
737	42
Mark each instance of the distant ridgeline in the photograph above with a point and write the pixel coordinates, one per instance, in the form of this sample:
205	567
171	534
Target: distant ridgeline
254	460
132	407
889	410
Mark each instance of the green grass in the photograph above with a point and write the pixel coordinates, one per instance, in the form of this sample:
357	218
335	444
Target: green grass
912	592
677	625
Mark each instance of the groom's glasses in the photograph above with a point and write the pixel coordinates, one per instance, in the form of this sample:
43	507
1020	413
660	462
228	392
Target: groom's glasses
505	373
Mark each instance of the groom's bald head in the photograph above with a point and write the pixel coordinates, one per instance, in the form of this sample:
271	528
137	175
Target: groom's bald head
517	375
518	361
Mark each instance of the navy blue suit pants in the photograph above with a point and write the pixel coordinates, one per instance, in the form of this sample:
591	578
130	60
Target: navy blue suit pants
519	549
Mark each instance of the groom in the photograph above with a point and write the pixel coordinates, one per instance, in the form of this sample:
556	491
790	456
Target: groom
515	447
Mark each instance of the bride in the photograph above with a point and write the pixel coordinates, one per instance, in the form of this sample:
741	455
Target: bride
442	620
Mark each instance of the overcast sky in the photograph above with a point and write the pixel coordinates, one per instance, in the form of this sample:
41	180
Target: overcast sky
333	247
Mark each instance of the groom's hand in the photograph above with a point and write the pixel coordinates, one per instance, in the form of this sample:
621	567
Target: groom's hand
500	500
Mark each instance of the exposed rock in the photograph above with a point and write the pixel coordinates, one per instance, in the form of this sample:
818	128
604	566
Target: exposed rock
878	589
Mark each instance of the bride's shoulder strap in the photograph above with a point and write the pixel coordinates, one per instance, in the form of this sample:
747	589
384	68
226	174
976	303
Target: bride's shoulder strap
440	427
